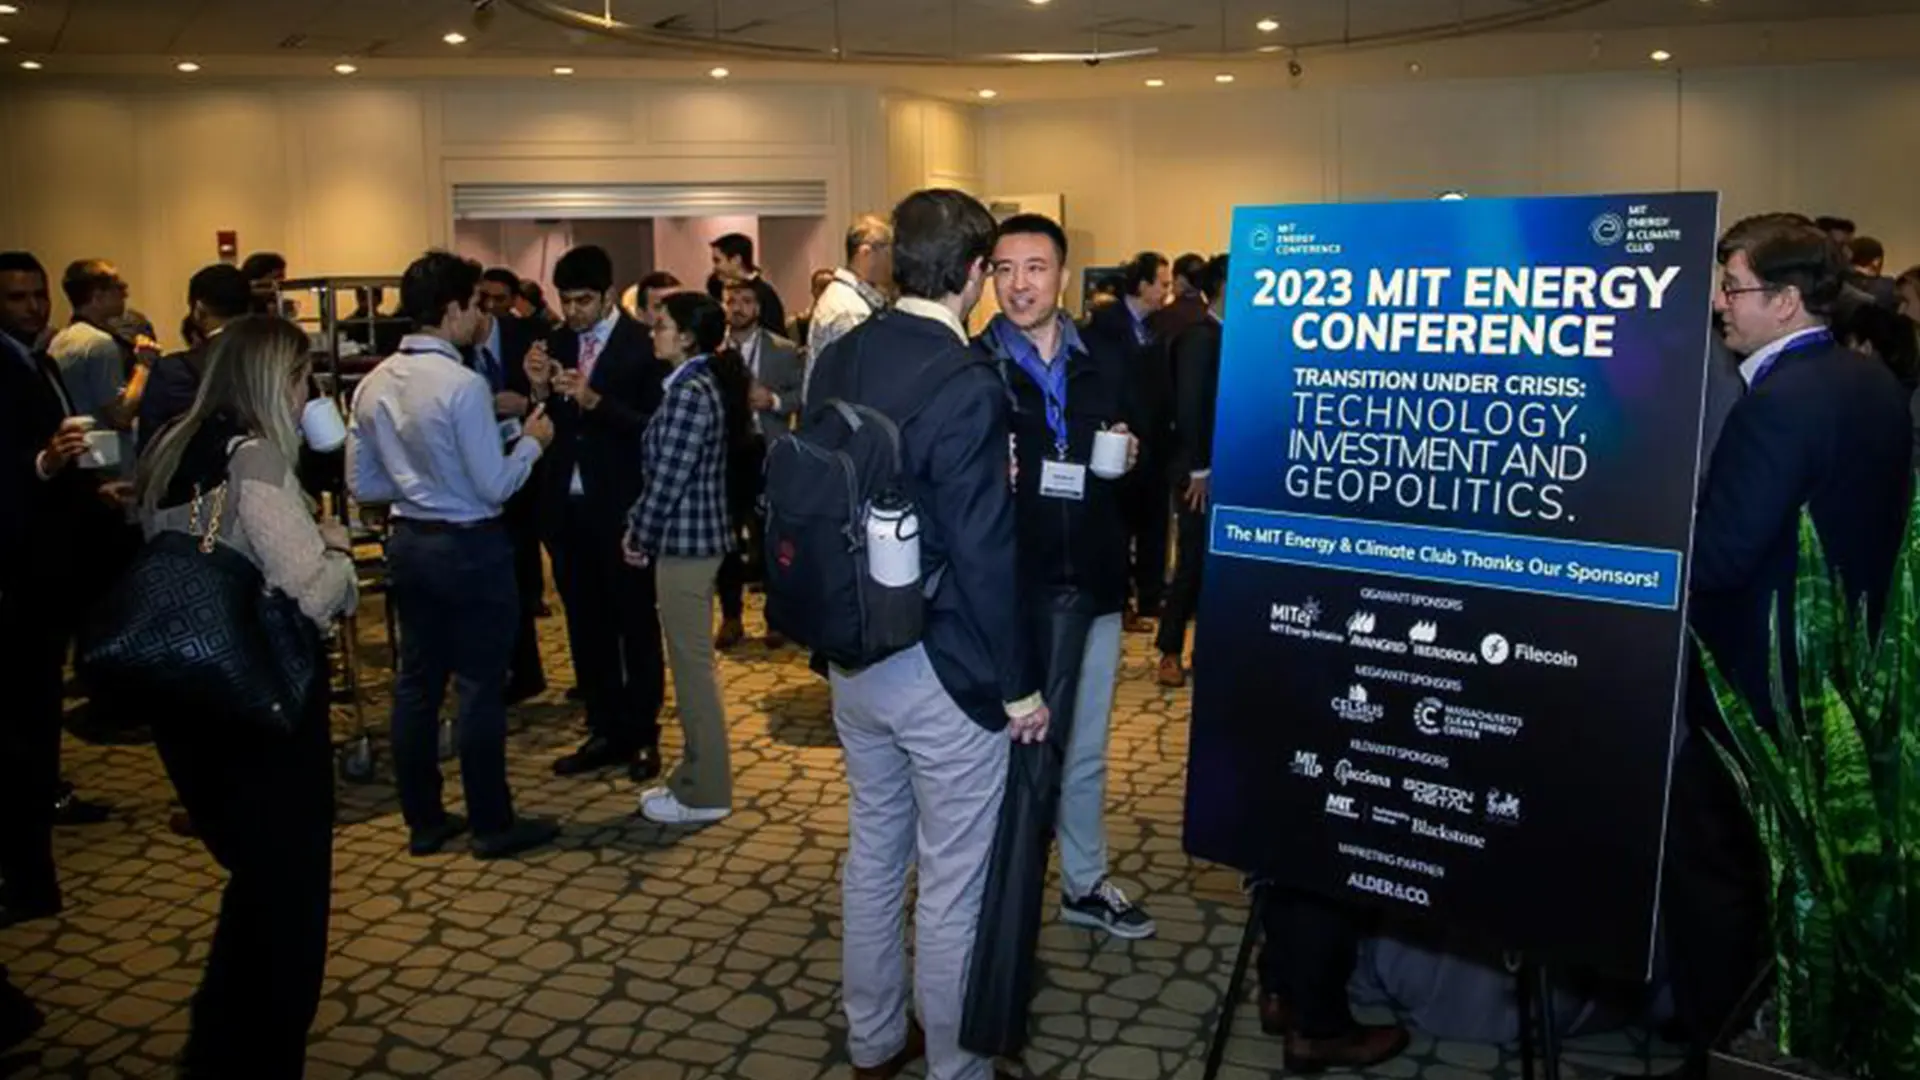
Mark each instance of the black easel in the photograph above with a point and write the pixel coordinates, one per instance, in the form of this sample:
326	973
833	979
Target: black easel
1236	986
1533	994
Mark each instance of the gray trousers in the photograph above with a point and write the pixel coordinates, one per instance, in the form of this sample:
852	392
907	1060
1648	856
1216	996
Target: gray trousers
704	779
926	780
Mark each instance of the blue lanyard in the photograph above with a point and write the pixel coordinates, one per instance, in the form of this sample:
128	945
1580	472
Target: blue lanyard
1051	379
1817	340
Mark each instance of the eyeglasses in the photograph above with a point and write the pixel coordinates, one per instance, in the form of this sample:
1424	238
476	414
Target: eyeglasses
1729	290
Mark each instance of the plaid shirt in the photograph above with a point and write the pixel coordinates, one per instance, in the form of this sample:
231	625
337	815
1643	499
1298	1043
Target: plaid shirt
683	510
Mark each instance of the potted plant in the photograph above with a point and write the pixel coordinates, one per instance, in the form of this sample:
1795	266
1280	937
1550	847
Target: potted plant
1834	789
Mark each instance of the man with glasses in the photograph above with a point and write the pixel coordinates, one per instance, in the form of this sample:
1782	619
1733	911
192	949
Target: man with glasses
1818	427
855	292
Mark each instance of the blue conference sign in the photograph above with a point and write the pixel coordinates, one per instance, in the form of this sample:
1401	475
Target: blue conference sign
1442	627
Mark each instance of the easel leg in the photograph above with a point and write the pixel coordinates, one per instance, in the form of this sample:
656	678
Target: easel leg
1549	1025
1236	986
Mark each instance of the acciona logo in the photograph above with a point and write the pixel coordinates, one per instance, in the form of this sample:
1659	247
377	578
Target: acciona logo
1345	772
1379	886
1447	834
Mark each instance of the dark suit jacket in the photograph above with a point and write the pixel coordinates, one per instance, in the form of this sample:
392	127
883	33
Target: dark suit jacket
516	339
35	542
1150	373
1826	429
604	443
171	388
1196	389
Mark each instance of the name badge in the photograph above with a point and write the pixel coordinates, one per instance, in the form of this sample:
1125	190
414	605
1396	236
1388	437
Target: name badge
1063	480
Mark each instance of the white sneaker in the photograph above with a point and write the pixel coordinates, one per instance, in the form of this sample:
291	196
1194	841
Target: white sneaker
653	792
666	808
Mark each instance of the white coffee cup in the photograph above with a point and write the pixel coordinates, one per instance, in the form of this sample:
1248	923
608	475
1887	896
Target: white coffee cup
320	422
1110	449
103	449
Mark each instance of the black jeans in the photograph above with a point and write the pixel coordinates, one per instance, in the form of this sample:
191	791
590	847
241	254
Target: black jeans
263	806
459	609
526	673
613	628
1308	958
33	644
1183	597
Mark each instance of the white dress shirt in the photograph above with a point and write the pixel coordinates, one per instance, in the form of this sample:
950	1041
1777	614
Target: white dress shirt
1763	357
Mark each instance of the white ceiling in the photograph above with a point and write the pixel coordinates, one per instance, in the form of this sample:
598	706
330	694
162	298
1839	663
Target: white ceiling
886	30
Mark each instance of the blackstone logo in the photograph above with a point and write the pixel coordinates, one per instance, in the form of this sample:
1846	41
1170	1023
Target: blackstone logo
1357	707
1447	834
1341	806
1347	774
1307	764
1379	886
1438	796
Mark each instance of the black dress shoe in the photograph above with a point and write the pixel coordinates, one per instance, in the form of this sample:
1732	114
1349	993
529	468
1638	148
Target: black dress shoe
15	912
576	694
598	752
646	765
70	809
434	838
523	835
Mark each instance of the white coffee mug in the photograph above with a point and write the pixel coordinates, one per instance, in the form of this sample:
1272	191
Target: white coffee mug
1110	450
103	449
320	422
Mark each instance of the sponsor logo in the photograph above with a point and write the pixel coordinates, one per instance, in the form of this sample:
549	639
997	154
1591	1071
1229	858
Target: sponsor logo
1305	616
1424	633
1362	626
1362	623
1393	890
1547	657
1495	649
1341	806
1400	753
1451	656
1357	708
1447	834
1307	764
1435	717
1392	819
1438	796
1346	773
1503	807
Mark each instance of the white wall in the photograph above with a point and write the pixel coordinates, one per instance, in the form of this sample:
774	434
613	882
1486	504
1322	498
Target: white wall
356	177
1165	172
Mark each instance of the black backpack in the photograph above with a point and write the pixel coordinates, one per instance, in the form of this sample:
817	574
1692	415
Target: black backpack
821	483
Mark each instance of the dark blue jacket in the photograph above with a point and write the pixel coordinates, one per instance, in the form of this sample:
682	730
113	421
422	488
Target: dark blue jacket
954	452
171	388
1065	544
1826	429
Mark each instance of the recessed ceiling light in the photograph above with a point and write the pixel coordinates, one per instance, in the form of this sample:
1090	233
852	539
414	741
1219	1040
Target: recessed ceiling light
1156	83
1269	48
345	69
563	71
9	9
187	66
1223	78
989	95
1267	26
30	65
1038	3
5	40
1660	56
454	37
719	73
1414	68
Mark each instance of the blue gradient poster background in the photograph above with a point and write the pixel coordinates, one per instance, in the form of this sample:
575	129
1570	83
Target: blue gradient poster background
1441	633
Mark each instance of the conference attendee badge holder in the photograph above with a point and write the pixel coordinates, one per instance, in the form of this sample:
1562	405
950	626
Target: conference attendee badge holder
1063	480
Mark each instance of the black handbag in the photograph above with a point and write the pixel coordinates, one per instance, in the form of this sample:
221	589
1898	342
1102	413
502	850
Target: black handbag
192	624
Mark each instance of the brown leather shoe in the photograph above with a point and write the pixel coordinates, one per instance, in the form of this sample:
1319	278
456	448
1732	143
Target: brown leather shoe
1172	675
731	634
915	1049
1276	1014
1361	1048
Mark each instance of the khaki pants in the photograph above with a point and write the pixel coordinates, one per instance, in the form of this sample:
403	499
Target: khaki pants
703	780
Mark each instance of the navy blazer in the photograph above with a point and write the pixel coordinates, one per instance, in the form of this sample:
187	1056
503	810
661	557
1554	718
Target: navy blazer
603	443
1826	429
43	516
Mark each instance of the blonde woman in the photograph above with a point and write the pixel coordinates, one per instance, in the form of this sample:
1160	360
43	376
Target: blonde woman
262	804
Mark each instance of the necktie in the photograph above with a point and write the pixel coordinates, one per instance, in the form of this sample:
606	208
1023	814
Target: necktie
589	352
490	367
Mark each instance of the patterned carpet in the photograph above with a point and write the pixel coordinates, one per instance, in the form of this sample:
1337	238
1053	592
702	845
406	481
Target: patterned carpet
635	952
